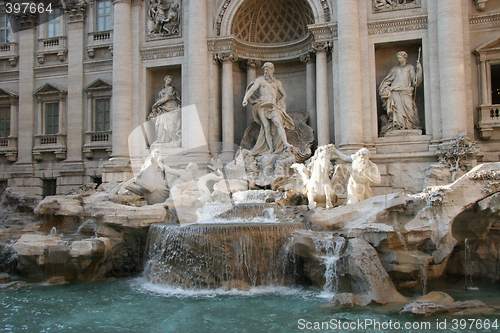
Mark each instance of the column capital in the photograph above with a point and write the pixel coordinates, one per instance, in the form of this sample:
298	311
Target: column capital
76	12
307	58
226	56
480	4
253	63
321	47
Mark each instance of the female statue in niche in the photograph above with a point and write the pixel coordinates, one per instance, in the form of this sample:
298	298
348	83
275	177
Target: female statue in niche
397	92
167	112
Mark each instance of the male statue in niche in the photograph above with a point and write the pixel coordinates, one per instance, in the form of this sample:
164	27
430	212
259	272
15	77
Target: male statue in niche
269	111
397	92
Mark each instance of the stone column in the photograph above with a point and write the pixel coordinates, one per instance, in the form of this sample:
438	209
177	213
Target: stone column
451	67
227	103
39	112
251	76
22	173
76	38
27	42
311	90
485	96
323	118
118	167
62	110
14	101
196	59
350	90
122	79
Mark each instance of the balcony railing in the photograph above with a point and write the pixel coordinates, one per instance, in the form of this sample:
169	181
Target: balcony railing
99	39
489	118
8	147
9	51
97	141
53	45
50	143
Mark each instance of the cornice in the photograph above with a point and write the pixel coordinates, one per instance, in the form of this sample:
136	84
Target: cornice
485	18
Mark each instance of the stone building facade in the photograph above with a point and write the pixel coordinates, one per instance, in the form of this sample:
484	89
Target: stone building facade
76	86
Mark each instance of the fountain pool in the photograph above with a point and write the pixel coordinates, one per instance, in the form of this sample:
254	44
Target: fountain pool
134	305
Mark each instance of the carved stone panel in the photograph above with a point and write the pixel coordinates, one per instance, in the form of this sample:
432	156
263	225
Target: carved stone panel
163	19
388	5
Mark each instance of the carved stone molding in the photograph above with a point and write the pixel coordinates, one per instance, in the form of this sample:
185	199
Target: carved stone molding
485	18
397	25
323	32
26	21
389	5
227	56
252	63
321	47
76	12
480	4
261	52
308	57
161	52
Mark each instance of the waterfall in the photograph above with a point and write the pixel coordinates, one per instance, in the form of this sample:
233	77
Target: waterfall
329	249
209	255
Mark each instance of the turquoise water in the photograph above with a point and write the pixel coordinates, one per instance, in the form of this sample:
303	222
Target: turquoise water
133	305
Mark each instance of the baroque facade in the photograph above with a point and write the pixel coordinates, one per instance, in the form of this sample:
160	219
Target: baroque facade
77	84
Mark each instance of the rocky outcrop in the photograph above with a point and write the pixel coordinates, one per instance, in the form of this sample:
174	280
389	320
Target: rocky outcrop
439	302
416	235
85	236
357	270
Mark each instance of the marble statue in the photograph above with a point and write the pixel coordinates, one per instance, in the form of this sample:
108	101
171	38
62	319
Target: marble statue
217	175
167	112
363	171
269	111
164	18
150	182
316	178
185	179
381	4
397	92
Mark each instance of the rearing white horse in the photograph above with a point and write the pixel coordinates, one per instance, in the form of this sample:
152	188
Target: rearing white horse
316	178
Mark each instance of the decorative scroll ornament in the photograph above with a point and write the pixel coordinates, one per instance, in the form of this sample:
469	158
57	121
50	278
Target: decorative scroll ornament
163	18
387	5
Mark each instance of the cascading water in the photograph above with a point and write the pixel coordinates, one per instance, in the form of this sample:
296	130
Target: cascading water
329	249
208	256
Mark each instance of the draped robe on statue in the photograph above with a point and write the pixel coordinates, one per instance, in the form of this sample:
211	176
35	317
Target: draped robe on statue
396	92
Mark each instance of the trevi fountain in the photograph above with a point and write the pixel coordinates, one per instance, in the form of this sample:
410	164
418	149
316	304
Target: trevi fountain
278	234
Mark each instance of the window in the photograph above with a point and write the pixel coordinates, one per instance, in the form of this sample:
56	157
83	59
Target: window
495	84
4	122
4	28
49	187
101	115
52	118
53	23
104	15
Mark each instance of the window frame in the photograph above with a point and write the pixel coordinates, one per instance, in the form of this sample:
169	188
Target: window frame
7	28
98	16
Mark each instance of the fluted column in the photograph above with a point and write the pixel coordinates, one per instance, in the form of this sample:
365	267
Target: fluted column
323	118
310	90
451	67
350	91
251	76
122	79
227	102
196	60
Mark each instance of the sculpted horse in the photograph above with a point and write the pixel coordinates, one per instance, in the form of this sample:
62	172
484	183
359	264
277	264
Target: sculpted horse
316	178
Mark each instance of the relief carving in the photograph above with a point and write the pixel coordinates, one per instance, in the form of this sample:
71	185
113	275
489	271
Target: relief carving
387	5
163	18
